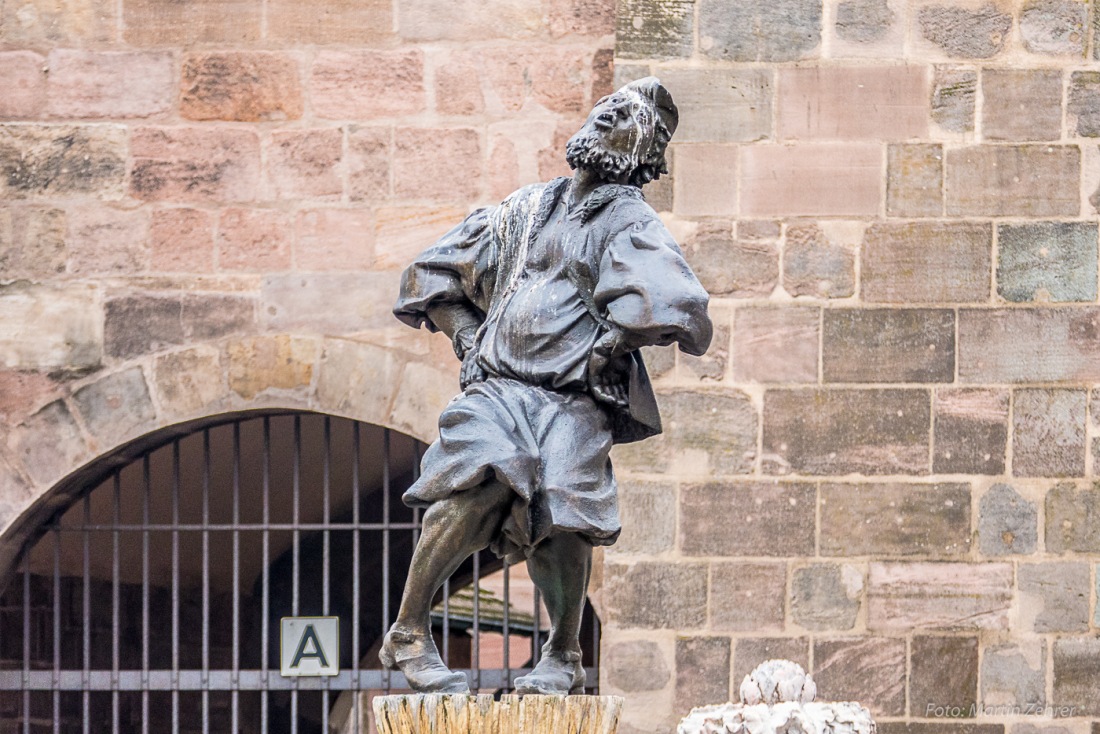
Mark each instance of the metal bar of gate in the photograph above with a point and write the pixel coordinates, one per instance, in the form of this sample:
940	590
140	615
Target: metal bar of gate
87	612
56	630
507	628
175	586
388	526
116	502
326	500
386	540
536	648
146	491
265	704
235	696
416	510
475	657
447	622
27	646
595	645
2	630
296	508
355	568
206	581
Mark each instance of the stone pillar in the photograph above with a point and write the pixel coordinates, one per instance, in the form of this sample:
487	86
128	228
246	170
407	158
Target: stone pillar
465	714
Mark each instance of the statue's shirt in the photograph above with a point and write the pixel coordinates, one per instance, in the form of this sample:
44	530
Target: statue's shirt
540	331
527	263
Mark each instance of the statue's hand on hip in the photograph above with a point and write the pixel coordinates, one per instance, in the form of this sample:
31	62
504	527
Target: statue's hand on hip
607	372
471	371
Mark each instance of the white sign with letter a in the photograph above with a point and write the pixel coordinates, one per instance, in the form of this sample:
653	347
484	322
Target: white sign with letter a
309	646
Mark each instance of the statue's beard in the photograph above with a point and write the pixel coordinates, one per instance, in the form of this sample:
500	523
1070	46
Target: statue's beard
586	150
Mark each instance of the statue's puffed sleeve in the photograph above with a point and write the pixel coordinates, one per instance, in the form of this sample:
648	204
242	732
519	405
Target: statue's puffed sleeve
648	290
457	269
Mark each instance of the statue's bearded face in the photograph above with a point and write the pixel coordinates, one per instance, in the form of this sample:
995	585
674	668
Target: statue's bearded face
615	138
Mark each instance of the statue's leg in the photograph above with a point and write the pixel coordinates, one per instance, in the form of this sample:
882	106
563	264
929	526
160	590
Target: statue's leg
560	566
453	529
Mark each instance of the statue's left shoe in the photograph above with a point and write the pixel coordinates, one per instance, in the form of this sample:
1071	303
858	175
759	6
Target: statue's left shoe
416	656
558	673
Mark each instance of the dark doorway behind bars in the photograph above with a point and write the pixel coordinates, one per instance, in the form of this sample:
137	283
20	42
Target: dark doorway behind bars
151	603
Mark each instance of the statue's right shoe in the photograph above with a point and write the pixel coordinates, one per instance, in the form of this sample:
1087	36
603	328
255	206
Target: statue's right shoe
558	673
418	659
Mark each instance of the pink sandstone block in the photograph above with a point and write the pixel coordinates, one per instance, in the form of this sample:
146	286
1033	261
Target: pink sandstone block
503	176
181	240
173	23
254	240
583	17
362	85
249	87
441	164
1013	181
194	164
404	231
853	103
705	180
305	164
370	158
334	239
458	85
329	21
91	84
555	77
107	241
776	344
1018	345
24	81
822	179
903	596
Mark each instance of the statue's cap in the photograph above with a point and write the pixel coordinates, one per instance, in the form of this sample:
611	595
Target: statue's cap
651	88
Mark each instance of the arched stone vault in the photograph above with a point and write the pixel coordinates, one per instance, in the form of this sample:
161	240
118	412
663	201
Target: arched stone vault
99	422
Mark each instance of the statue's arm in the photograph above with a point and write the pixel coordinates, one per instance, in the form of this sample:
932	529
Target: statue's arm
648	296
459	321
649	293
446	288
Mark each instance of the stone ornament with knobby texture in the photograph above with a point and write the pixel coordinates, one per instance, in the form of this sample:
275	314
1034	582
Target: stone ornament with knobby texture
779	697
465	714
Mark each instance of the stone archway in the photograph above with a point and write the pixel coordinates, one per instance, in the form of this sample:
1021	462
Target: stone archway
101	417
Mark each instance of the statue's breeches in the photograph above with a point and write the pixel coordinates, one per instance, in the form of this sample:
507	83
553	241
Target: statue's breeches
551	448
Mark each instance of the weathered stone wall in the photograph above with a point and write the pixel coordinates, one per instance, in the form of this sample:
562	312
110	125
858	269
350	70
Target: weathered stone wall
205	205
882	470
884	467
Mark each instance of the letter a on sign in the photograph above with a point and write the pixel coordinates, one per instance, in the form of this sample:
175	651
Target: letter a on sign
310	646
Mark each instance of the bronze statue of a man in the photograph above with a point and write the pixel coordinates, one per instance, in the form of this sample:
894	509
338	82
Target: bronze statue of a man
547	299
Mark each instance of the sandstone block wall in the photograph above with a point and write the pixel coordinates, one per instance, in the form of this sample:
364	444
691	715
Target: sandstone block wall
205	206
884	469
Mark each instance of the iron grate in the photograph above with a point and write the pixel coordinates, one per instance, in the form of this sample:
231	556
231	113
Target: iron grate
152	602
